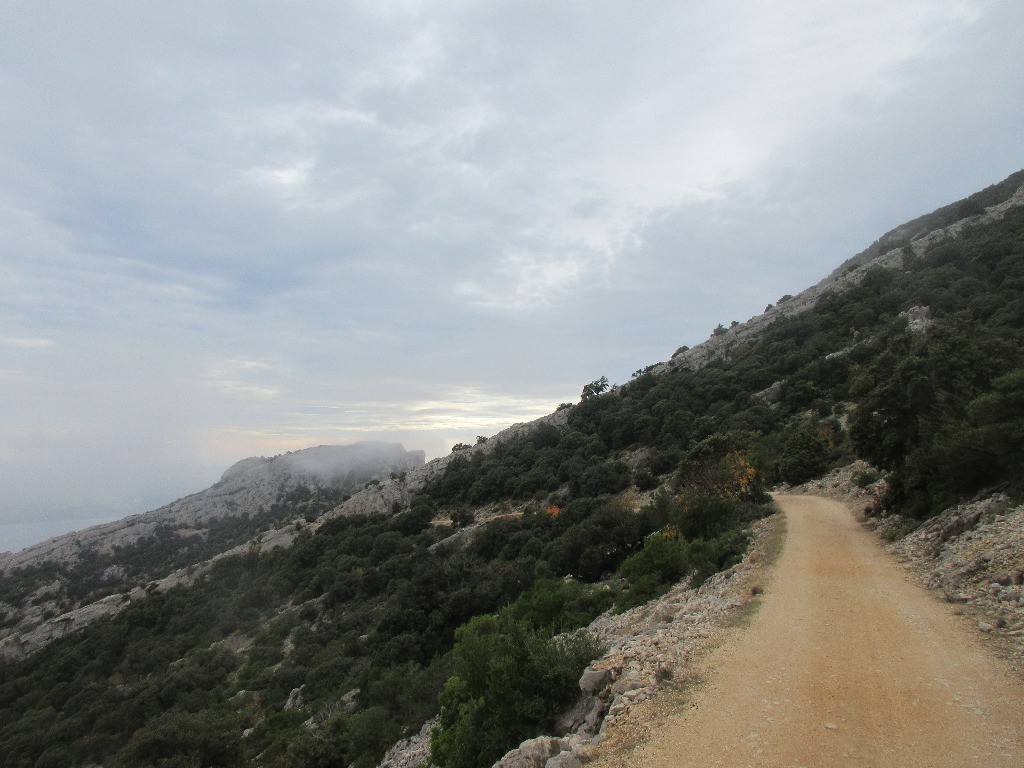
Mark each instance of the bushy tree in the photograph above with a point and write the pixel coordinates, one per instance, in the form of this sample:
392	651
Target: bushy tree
594	388
510	681
804	455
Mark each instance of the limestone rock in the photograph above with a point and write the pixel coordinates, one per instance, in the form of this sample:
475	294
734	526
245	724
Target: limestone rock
244	489
412	752
380	498
564	760
594	681
295	698
848	275
533	753
573	719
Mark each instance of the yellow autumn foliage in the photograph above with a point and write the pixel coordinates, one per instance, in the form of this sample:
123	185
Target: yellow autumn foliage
735	477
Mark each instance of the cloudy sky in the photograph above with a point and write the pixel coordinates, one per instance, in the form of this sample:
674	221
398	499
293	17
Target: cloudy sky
234	228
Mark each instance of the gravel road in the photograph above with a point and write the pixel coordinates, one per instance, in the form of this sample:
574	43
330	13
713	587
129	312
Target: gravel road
847	663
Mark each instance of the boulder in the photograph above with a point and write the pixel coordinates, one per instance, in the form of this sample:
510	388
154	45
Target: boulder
564	760
533	753
594	681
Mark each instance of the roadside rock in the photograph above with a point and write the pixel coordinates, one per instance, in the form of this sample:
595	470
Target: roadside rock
933	534
858	484
972	555
593	682
564	760
533	753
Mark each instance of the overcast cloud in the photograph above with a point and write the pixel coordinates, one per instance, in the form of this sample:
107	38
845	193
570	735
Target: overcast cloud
233	229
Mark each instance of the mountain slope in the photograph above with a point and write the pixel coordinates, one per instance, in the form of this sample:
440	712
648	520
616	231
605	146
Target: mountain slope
455	578
70	577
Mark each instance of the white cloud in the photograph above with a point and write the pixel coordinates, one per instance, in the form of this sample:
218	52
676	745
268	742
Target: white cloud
248	378
230	231
27	343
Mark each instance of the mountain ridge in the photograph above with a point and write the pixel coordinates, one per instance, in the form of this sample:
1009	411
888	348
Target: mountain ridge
246	494
216	501
848	274
407	477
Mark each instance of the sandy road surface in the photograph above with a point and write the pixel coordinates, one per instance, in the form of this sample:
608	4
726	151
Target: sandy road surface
846	664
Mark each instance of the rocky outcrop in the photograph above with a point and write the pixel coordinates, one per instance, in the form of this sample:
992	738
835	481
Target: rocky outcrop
412	752
721	345
925	231
857	483
535	753
918	319
973	556
934	534
243	489
954	230
379	498
19	645
30	636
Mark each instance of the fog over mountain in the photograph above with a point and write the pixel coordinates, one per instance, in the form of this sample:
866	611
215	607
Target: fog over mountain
230	231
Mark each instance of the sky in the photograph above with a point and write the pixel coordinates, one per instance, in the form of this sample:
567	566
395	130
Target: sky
234	229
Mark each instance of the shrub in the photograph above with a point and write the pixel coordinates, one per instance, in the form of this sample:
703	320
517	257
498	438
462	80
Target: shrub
804	456
865	477
644	480
901	529
509	682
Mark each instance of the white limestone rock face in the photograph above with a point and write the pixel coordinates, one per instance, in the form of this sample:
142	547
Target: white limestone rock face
412	752
18	645
533	753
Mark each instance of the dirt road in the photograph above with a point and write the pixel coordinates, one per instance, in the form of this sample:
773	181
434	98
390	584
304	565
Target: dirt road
846	664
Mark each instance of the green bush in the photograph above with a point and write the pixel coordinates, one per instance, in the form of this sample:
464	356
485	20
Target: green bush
865	477
644	480
701	537
558	605
509	683
805	454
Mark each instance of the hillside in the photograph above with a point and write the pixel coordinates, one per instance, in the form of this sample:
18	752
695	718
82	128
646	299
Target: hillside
456	588
76	578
